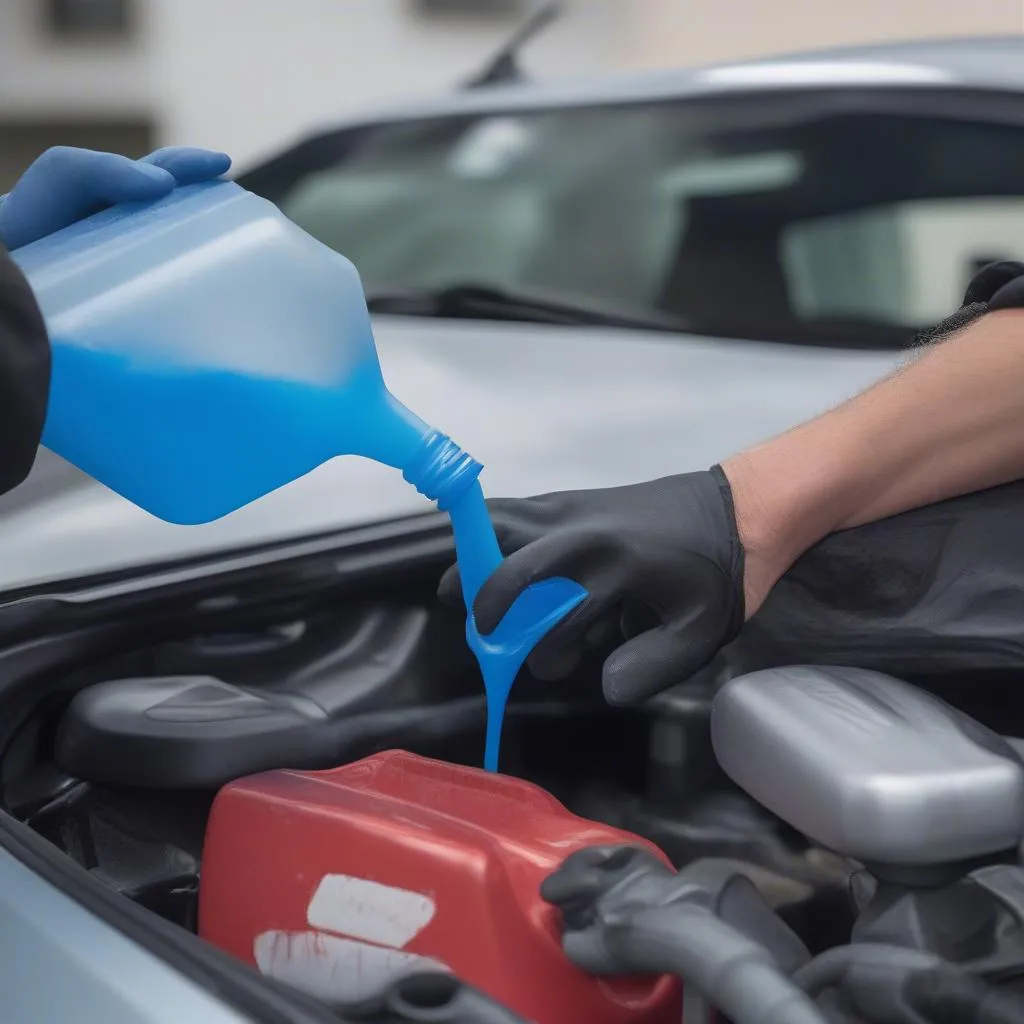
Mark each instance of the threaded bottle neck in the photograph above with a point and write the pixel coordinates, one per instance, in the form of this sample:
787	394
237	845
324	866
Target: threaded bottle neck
440	470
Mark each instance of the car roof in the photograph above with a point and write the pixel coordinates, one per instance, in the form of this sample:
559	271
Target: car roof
982	62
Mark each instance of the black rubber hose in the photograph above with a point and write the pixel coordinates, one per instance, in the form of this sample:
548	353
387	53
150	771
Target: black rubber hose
826	970
900	984
738	976
947	995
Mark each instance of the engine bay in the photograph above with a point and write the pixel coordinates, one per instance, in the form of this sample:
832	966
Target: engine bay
121	775
118	760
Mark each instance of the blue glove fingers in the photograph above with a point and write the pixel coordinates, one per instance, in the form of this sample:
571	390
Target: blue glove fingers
109	178
188	164
66	184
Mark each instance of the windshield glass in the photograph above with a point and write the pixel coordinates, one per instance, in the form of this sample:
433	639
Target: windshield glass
766	216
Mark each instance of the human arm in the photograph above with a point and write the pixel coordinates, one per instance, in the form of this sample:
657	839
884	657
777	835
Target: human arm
675	566
950	422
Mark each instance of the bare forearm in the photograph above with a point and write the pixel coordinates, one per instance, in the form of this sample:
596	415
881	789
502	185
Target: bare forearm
950	422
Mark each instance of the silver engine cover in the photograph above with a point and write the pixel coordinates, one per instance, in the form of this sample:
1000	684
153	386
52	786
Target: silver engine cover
869	766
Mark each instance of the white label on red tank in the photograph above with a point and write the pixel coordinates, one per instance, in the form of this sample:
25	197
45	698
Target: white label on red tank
370	922
361	909
331	968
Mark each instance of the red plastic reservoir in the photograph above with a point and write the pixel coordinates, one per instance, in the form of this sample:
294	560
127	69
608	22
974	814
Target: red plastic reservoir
333	881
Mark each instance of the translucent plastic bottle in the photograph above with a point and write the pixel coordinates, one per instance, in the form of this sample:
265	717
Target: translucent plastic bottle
207	351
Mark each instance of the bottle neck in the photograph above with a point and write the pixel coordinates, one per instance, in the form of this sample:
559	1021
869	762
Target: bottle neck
440	470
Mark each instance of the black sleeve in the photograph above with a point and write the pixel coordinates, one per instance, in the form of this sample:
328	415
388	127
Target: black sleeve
24	374
935	591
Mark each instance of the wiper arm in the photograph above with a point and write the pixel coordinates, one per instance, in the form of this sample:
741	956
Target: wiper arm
483	302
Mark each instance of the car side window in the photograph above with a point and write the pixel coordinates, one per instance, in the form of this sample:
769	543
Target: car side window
902	263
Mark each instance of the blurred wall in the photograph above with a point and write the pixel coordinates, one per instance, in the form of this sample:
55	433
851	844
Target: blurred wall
97	93
43	76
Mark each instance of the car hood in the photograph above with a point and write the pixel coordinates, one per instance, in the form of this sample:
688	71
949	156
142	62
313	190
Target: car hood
544	408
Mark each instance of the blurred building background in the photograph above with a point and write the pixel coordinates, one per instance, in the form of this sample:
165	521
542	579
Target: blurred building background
248	76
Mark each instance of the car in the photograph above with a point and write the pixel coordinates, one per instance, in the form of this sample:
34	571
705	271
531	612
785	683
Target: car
740	247
584	284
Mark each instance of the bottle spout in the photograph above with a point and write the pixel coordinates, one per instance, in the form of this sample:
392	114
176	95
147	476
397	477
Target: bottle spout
441	471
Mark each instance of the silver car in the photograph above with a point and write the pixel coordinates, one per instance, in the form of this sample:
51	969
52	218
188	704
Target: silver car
584	284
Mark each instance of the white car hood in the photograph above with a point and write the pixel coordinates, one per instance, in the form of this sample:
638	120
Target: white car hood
544	408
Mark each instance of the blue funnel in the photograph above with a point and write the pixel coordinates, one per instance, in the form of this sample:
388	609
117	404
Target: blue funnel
207	351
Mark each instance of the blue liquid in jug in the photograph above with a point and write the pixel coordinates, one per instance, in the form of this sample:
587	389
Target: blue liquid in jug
210	435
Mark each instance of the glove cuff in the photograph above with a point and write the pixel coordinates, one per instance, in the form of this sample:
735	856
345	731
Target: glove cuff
997	286
737	556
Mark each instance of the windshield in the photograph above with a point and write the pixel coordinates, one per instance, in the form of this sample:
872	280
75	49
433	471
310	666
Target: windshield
767	216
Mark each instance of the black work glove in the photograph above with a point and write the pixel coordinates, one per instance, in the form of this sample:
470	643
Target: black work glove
663	565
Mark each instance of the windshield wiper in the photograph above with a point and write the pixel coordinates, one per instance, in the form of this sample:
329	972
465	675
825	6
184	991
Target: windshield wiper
483	302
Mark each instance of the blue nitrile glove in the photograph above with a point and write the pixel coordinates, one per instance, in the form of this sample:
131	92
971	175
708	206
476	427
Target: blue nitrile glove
65	184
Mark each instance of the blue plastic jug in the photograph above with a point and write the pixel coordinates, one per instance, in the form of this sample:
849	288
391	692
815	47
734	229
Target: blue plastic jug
206	351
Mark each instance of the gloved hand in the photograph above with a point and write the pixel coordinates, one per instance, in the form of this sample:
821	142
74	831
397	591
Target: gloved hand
65	184
663	565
